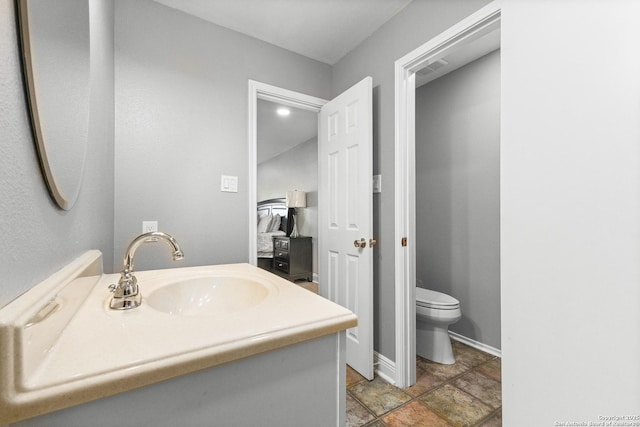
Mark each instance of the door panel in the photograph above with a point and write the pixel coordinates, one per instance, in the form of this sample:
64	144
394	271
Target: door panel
344	187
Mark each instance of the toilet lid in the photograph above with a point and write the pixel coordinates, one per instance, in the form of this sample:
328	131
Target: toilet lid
429	298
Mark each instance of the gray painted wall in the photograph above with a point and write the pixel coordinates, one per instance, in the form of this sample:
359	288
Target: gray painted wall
416	24
39	238
570	212
295	169
181	122
458	193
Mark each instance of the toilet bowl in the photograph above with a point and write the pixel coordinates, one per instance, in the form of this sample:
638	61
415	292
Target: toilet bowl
435	311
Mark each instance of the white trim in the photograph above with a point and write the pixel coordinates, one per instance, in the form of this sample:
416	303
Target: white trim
475	344
341	378
384	368
258	90
476	25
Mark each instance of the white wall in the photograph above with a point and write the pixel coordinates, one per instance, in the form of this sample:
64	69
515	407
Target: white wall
416	24
570	211
458	193
295	169
38	237
181	122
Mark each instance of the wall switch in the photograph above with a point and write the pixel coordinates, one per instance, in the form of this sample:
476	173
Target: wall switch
149	226
229	184
377	183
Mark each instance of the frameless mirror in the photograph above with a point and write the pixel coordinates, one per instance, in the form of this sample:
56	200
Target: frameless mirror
55	51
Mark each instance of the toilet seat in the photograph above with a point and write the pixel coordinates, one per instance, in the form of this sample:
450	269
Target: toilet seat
437	300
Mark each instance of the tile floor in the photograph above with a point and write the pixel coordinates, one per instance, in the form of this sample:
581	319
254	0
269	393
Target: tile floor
467	393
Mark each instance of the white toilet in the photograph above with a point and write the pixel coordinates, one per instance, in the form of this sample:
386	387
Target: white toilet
435	311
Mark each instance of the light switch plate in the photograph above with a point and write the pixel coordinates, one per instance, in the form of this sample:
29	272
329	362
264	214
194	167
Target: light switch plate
229	184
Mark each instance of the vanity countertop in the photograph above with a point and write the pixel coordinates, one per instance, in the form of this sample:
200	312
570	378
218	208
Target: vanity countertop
61	345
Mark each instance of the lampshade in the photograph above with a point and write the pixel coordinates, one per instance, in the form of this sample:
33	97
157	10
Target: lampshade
296	199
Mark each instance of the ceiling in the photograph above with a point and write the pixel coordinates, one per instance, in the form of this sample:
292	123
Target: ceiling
277	134
324	30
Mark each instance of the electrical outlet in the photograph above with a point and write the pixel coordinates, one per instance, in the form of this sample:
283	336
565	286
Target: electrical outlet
149	226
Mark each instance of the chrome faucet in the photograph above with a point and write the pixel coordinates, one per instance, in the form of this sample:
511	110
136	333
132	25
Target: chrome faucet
126	294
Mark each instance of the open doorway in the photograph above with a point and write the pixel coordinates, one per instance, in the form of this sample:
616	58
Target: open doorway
264	102
287	160
345	200
457	155
461	44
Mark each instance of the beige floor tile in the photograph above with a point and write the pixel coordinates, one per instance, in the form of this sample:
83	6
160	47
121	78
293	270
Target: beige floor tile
467	355
456	406
353	377
493	421
484	388
492	368
379	396
440	371
414	414
357	415
467	393
425	381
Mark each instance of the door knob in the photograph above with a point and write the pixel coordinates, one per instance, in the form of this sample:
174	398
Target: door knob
372	242
360	243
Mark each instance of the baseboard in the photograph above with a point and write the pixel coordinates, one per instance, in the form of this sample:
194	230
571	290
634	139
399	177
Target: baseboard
384	368
475	344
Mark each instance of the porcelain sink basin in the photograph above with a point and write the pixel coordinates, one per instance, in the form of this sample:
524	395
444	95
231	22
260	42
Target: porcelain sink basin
208	296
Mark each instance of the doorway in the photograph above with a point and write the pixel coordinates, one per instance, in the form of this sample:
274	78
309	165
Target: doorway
263	92
345	139
462	39
287	160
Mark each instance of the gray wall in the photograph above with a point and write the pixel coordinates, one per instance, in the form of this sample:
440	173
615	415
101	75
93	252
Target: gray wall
570	162
458	193
295	169
39	238
375	57
181	122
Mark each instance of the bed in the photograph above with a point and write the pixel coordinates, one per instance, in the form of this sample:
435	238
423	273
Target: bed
272	221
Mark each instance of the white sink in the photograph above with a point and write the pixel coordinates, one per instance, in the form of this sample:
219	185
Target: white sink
245	311
208	296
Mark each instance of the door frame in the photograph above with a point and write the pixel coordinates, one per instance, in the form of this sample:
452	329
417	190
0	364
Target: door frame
258	90
474	26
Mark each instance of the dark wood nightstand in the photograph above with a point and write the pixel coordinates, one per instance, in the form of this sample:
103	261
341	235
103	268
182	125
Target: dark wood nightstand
292	257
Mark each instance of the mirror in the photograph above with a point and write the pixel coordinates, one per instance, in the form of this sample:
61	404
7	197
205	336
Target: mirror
55	53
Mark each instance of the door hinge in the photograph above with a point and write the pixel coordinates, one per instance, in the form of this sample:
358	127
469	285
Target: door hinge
404	241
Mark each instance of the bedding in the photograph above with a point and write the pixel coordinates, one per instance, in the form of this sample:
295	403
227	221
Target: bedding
264	224
265	243
272	221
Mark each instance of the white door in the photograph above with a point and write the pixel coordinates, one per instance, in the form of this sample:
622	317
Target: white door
345	222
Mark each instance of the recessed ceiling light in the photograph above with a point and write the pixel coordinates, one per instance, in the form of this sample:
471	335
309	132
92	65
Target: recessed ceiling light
283	111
